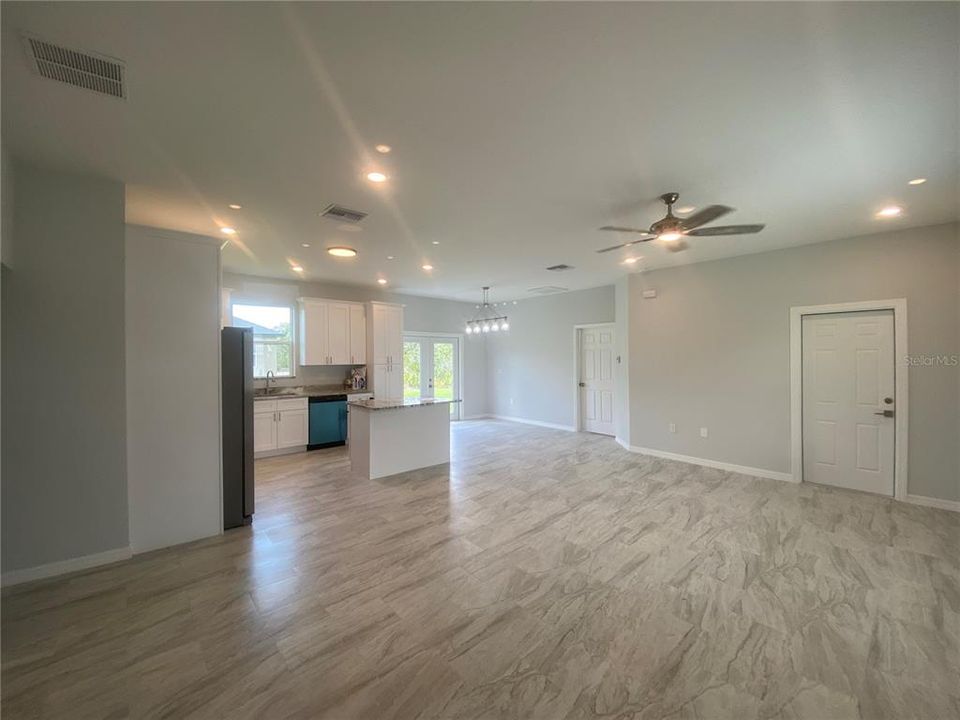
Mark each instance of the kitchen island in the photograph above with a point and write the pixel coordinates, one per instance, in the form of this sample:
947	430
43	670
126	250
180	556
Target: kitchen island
394	436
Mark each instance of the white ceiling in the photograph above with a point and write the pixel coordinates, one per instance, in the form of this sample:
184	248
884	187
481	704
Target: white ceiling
518	129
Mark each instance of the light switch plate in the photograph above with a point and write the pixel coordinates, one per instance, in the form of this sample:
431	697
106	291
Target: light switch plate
673	427
703	432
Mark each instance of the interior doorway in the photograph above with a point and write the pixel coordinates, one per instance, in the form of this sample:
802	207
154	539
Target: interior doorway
431	368
596	353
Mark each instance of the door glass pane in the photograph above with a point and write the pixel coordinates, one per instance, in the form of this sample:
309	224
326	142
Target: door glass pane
443	371
411	369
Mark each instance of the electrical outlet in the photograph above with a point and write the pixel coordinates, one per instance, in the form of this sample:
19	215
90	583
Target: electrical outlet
703	432
673	427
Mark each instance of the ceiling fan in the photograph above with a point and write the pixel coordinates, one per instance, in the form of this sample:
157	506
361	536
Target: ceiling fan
672	229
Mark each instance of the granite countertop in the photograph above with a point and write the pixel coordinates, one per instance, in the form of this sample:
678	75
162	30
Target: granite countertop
307	391
375	404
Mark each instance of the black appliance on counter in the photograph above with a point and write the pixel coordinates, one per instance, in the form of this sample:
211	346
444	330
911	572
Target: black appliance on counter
236	358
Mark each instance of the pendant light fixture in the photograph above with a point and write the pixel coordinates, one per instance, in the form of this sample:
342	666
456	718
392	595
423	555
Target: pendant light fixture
486	320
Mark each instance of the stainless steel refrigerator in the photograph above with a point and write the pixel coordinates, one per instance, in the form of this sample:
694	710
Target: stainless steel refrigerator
236	349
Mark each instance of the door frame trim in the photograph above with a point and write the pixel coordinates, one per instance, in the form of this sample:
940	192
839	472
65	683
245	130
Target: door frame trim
900	377
578	420
459	337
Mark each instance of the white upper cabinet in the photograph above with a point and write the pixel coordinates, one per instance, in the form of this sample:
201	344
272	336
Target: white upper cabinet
313	332
358	335
386	334
338	333
385	350
331	332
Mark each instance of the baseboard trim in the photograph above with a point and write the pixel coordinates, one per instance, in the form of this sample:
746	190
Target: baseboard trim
538	423
952	505
704	462
475	417
62	567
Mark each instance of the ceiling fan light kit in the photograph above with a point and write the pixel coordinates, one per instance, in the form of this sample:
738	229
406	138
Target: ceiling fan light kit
671	229
486	319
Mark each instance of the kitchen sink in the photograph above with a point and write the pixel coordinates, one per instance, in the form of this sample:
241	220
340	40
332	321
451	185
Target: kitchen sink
278	392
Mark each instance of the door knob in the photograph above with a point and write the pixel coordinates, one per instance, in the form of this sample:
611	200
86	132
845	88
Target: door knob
582	384
885	413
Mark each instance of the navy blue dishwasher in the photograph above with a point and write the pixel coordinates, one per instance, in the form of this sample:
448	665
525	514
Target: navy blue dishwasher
328	421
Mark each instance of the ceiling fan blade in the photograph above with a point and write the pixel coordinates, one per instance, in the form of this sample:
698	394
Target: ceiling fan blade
625	229
708	214
623	245
726	230
677	246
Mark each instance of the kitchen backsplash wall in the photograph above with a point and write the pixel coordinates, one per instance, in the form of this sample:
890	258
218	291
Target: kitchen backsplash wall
314	375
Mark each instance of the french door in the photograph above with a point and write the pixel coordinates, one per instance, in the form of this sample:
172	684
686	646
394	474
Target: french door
431	369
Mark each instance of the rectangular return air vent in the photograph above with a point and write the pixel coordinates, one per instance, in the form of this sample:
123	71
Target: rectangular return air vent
547	290
81	69
560	268
338	212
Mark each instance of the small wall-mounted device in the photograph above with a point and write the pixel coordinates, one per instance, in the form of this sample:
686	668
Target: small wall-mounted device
649	294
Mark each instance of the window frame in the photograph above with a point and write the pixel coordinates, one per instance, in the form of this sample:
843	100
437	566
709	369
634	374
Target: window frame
292	307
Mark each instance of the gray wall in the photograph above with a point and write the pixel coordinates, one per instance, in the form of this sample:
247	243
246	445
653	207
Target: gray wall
173	389
420	315
64	450
6	207
531	368
622	368
713	348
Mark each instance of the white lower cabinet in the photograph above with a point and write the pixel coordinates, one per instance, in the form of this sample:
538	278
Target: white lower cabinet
264	430
388	382
292	428
280	424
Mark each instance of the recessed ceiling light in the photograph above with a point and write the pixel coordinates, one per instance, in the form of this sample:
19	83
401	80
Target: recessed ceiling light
228	231
670	236
383	149
630	260
304	244
427	267
436	242
686	209
296	268
382	281
234	206
342	251
377	177
917	181
890	211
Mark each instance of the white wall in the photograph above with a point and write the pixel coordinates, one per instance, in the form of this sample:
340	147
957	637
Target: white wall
713	348
64	402
173	389
531	369
420	315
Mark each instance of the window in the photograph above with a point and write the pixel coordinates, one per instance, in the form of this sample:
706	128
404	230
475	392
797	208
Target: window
272	337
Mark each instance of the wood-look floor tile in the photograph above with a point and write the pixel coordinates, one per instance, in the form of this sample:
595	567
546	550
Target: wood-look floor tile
542	574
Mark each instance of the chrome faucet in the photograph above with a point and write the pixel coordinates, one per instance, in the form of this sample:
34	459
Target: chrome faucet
269	376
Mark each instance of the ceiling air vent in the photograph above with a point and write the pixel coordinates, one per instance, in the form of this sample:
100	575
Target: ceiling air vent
560	268
81	69
338	212
547	290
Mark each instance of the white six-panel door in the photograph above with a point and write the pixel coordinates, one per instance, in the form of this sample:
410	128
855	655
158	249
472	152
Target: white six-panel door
597	355
848	385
